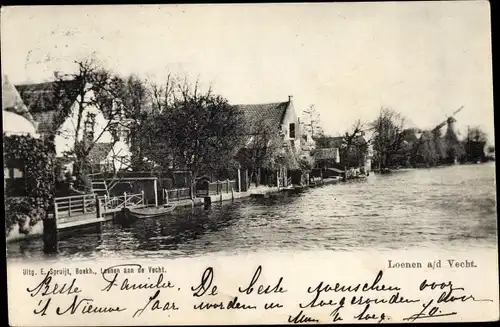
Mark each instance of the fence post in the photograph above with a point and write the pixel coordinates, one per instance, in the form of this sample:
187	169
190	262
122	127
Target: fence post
166	196
50	232
142	194
105	202
55	211
239	180
278	180
98	208
125	199
84	204
69	206
155	190
227	184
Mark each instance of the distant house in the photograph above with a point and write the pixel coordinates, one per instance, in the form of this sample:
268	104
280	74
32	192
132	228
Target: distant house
327	163
281	118
60	122
325	158
353	159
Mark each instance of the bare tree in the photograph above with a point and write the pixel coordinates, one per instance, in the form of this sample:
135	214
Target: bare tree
388	136
353	144
163	95
199	132
92	89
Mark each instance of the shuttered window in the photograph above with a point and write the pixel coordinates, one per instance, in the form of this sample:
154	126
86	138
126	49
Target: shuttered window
292	130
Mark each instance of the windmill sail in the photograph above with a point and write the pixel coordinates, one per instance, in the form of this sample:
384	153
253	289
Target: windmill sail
439	126
446	120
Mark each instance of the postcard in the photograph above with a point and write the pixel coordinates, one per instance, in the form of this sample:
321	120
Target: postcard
201	164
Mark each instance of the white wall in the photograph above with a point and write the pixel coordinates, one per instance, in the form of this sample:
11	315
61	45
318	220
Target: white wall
65	139
291	117
120	149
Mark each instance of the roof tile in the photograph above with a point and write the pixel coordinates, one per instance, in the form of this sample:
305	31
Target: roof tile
272	113
45	99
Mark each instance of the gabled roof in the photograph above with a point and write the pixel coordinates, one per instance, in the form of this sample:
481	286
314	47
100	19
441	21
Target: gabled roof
99	152
12	101
43	97
45	100
272	113
326	153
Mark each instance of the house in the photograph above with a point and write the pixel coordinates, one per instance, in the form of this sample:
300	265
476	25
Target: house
327	163
280	119
54	107
281	115
360	155
324	158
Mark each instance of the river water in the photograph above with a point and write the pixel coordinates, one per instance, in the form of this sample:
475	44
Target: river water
450	208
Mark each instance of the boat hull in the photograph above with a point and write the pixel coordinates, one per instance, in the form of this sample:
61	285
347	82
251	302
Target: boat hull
131	214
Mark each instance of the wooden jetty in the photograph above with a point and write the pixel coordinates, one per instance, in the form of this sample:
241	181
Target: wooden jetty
82	213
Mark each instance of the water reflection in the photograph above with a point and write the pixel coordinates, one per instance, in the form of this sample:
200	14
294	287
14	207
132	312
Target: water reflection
452	207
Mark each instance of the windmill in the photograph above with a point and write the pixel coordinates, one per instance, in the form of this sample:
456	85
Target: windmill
450	121
451	139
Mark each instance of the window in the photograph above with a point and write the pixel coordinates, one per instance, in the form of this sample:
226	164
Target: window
292	130
14	179
17	173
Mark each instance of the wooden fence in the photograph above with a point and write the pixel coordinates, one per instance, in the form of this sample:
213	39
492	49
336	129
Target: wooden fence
215	188
75	205
176	194
114	203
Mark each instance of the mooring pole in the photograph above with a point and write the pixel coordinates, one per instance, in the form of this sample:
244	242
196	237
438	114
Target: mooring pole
50	232
155	187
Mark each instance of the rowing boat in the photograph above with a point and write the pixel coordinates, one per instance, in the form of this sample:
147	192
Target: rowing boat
129	214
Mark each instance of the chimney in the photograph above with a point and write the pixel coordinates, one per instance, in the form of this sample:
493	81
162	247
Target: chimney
290	98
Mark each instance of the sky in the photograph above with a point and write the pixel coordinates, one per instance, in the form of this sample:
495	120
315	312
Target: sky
422	59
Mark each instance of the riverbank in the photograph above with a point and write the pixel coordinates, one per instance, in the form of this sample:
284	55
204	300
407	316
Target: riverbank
398	211
255	191
259	191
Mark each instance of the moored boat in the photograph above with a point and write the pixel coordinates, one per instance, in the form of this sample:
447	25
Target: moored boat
131	214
